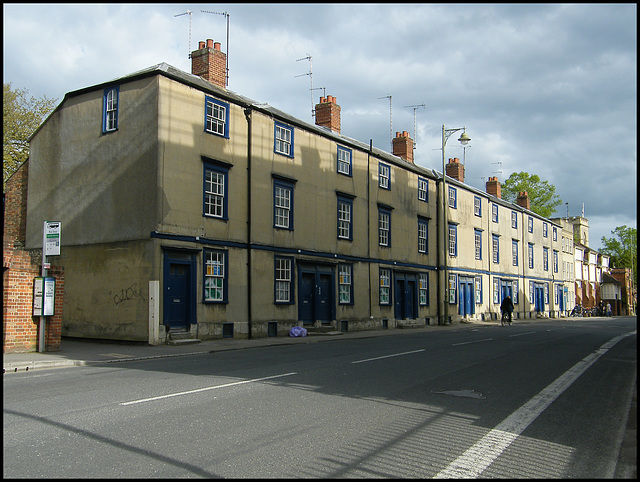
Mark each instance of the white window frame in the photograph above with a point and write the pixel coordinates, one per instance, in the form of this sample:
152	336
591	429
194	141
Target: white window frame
283	139
283	280
385	286
384	176
216	114
345	286
344	161
423	189
214	276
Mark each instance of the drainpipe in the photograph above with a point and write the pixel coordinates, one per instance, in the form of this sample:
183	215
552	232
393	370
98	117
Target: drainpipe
439	251
369	223
247	114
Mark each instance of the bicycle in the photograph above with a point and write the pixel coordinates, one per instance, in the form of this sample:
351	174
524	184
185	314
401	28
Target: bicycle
506	318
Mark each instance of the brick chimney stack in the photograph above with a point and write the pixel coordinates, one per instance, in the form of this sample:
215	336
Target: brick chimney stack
328	113
494	188
403	146
455	170
210	63
523	200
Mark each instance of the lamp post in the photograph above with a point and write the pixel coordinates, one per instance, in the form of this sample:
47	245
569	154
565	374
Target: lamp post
464	140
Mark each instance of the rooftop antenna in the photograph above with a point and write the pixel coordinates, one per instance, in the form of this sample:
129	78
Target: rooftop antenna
414	107
188	12
310	74
390	121
227	64
499	171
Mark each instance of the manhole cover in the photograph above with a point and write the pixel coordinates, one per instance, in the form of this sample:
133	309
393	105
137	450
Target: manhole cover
462	393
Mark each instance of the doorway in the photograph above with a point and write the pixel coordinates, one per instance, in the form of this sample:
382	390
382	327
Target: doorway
316	301
179	295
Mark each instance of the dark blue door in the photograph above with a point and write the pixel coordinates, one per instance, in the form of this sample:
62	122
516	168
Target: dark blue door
306	308
323	298
177	294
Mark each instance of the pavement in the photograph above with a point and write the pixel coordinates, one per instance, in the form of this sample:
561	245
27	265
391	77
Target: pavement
83	352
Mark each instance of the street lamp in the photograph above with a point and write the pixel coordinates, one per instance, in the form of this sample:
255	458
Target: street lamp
464	140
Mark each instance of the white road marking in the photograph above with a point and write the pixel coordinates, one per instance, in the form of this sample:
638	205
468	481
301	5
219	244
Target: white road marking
474	341
206	388
388	356
482	454
520	334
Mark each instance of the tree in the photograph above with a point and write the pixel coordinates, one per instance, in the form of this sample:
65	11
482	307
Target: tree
623	248
21	117
542	195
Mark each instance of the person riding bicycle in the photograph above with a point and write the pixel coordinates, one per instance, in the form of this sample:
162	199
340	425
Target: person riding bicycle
507	309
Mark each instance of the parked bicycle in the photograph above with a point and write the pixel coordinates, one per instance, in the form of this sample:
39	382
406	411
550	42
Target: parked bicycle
577	311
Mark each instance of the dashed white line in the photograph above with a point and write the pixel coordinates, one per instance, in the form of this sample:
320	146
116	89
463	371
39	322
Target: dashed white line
388	356
188	392
474	341
520	334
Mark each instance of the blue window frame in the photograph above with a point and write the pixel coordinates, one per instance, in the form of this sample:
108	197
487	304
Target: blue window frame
216	117
216	276
495	241
423	290
453	240
215	191
384	226
494	212
477	235
344	161
384	176
453	197
477	206
555	261
555	234
345	217
345	284
478	289
531	255
545	230
514	252
423	235
385	286
283	280
530	225
545	259
283	139
423	189
110	103
283	203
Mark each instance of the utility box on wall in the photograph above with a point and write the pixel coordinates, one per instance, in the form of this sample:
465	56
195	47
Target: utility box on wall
44	293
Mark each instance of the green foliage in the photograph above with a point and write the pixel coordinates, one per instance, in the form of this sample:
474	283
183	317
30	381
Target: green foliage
622	248
542	195
21	117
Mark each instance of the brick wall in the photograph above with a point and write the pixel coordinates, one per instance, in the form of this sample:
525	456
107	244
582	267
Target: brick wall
210	63
20	267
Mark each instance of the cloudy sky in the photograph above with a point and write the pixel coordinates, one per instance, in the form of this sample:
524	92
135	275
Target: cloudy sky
546	89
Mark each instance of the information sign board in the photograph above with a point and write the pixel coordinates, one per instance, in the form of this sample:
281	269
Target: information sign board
51	238
44	292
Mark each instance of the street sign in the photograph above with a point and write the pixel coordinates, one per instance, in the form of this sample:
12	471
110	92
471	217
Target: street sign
51	238
44	290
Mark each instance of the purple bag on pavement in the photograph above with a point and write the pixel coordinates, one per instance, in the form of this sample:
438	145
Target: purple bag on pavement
297	331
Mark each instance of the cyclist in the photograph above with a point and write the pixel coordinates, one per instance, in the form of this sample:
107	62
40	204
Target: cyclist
507	309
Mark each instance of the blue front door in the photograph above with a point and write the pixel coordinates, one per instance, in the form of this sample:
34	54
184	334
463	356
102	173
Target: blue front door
178	289
315	298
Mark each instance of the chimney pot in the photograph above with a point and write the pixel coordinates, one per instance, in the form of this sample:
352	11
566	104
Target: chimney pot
209	63
328	113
